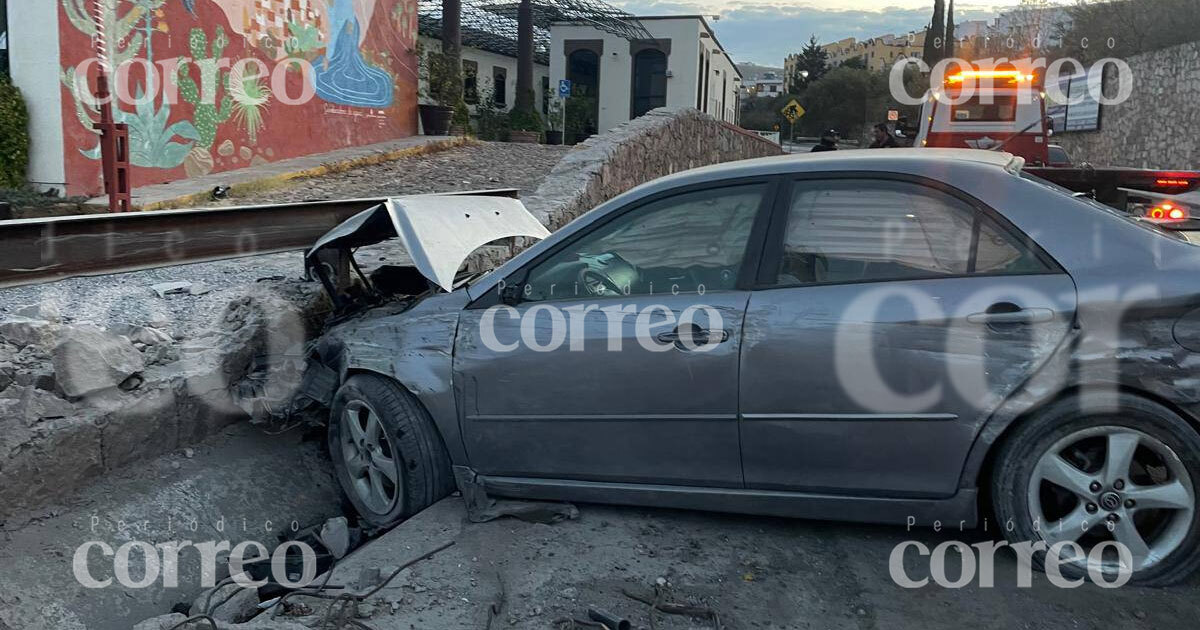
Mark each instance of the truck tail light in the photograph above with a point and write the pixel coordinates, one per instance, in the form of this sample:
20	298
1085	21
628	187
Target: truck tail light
1172	182
1166	211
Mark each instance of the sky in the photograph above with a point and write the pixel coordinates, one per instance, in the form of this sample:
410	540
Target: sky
765	31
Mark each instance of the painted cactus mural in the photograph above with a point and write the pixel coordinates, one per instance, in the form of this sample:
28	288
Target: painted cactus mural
208	114
198	112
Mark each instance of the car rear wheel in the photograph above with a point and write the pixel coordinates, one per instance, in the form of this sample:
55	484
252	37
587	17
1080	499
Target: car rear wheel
1128	473
387	454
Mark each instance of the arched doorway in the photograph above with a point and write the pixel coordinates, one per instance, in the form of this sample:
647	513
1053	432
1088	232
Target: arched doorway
583	108
649	81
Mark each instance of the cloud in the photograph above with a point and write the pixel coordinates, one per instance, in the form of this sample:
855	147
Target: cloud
764	33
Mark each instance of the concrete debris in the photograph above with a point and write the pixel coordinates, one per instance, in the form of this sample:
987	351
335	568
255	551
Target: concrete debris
335	535
163	289
144	335
87	360
44	311
231	603
32	405
199	289
8	374
23	332
162	622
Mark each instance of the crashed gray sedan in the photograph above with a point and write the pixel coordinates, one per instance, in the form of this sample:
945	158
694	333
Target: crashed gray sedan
904	336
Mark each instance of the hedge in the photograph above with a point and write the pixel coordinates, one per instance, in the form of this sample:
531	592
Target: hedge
14	136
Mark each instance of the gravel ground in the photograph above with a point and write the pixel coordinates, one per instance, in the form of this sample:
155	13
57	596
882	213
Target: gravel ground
127	298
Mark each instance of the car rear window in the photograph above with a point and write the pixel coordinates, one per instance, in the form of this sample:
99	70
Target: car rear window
997	108
1088	202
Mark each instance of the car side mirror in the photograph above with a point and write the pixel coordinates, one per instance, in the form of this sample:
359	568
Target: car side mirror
510	295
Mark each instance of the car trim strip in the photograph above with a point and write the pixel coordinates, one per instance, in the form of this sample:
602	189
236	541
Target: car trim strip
938	417
640	417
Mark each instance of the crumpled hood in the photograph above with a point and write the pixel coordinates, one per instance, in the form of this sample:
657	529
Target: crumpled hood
439	232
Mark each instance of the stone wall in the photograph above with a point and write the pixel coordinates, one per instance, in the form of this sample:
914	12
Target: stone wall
1157	126
662	142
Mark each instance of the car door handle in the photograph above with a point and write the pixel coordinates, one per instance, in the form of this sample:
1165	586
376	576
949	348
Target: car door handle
1022	316
700	337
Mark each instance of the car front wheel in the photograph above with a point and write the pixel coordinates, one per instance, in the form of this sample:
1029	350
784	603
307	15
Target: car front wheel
1125	473
387	454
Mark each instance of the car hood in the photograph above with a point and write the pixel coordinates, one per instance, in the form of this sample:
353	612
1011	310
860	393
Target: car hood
439	232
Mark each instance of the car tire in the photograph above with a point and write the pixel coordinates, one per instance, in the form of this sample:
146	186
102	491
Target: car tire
395	464
1166	452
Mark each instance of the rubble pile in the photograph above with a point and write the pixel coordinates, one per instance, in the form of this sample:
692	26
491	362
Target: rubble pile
78	399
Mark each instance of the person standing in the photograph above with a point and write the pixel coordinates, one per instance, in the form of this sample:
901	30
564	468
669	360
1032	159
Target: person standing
883	138
829	141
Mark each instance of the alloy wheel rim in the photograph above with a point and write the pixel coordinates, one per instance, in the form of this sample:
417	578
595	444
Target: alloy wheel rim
370	460
1112	483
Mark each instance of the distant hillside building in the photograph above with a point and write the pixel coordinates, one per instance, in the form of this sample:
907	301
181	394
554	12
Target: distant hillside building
767	85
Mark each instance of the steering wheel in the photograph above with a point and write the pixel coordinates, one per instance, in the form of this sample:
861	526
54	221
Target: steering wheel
596	283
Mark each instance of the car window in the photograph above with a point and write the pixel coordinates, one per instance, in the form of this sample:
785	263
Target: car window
851	230
691	242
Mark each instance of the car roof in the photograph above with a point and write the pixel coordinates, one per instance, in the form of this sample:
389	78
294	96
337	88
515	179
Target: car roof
897	159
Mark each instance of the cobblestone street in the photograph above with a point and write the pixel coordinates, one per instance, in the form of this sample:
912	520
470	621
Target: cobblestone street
472	167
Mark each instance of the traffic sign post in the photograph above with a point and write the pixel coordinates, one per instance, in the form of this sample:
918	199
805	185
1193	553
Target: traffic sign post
792	111
564	91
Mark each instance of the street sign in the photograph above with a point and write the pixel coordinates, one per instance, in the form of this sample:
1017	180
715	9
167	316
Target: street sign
792	111
564	88
893	115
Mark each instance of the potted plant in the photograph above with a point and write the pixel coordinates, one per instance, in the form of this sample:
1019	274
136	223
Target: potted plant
443	86
524	126
554	132
581	119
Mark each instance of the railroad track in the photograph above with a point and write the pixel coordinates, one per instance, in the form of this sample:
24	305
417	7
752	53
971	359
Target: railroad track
34	251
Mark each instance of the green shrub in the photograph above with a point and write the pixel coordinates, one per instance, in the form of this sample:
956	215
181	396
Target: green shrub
525	120
14	135
492	121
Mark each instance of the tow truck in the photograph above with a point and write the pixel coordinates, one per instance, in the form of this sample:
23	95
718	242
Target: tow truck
1005	110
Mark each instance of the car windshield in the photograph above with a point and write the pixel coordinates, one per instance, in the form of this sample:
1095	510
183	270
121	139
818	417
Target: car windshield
1097	206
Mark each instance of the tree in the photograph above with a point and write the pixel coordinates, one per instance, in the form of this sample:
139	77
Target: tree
524	100
1130	26
950	30
935	36
811	65
452	41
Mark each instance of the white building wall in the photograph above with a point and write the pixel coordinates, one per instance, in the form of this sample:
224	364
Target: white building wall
33	62
487	61
683	66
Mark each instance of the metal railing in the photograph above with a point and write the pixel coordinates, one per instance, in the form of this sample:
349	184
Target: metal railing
44	250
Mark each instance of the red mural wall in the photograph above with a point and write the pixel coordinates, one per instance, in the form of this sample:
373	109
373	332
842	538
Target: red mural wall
201	111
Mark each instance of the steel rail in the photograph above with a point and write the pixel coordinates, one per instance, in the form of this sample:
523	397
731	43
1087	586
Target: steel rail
34	251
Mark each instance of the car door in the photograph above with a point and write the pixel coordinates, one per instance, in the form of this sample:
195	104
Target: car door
890	318
616	357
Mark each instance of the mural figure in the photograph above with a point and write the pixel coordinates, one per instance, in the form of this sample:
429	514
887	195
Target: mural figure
341	75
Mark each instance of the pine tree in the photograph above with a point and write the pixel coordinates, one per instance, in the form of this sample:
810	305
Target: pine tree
814	60
935	36
950	30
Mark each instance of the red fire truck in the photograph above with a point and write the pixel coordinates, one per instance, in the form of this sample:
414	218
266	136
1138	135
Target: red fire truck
1005	110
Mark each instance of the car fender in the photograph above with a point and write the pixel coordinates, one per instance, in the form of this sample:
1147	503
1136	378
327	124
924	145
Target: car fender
415	349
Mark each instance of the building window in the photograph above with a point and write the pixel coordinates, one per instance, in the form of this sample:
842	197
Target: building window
545	95
470	81
649	81
499	87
